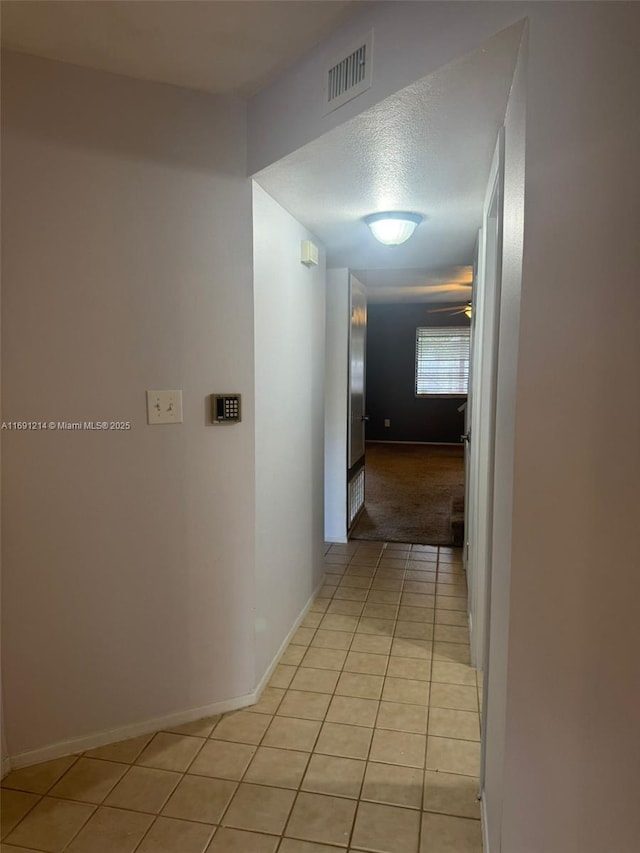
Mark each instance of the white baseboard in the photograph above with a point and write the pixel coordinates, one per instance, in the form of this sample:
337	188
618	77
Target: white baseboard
429	443
276	660
485	828
91	741
5	766
472	645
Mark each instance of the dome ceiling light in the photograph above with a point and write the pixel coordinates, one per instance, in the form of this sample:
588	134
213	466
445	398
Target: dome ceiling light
393	228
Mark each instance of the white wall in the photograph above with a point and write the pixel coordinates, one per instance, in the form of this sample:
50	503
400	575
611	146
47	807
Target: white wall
5	762
289	303
505	425
128	556
336	412
568	575
572	752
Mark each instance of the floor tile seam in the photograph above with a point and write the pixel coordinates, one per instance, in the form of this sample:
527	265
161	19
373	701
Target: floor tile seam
382	728
104	804
449	708
78	801
331	569
334	575
180	773
76	757
392	637
440	596
244	781
394	805
306	767
26	814
24	791
241	781
370	747
153	823
84	824
449	814
78	831
453	737
400	701
450	591
422	794
371	589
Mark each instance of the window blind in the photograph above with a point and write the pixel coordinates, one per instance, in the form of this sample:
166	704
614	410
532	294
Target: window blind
442	360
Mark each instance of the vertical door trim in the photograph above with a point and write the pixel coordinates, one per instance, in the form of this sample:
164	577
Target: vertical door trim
496	196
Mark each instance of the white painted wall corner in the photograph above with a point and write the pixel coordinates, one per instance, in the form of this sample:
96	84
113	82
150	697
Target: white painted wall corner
276	660
96	739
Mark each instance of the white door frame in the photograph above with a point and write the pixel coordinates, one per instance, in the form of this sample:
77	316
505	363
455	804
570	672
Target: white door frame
357	402
471	470
485	341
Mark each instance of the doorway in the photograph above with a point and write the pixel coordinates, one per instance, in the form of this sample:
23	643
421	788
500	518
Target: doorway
417	365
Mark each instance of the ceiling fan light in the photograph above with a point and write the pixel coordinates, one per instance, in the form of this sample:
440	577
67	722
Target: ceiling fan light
468	310
393	228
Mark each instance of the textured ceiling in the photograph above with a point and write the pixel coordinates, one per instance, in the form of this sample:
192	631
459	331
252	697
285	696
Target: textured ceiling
220	47
426	149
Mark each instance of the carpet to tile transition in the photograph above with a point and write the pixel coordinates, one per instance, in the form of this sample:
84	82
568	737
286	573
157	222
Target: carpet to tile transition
409	493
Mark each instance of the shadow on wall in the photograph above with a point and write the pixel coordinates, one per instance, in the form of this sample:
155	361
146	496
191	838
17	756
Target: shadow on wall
97	110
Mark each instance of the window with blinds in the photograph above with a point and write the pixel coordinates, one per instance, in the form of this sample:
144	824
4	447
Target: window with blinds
442	361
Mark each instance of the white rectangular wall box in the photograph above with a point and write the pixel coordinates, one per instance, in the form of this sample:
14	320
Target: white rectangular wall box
164	407
308	253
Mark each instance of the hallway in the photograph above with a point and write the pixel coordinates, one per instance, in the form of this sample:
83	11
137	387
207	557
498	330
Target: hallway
367	738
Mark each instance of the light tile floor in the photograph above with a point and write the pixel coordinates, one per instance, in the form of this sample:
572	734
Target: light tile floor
366	739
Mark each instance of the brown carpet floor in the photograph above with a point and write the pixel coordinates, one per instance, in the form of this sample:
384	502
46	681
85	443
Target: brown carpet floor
409	490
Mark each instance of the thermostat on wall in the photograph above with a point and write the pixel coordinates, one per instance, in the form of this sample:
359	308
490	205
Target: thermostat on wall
226	409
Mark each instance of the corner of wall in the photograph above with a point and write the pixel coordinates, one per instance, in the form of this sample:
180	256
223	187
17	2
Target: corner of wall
289	341
336	395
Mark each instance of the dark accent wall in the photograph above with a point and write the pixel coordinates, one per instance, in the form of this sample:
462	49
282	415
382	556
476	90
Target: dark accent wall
391	357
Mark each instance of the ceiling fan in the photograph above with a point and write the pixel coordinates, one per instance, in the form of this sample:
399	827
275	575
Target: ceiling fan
464	308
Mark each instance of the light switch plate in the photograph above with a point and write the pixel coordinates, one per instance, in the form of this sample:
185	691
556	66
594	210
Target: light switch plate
164	407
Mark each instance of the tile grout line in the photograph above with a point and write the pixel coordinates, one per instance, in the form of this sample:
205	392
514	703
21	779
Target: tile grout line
28	812
426	742
299	790
45	795
183	774
373	733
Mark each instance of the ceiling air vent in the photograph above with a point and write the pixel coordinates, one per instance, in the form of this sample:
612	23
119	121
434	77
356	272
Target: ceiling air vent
348	77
